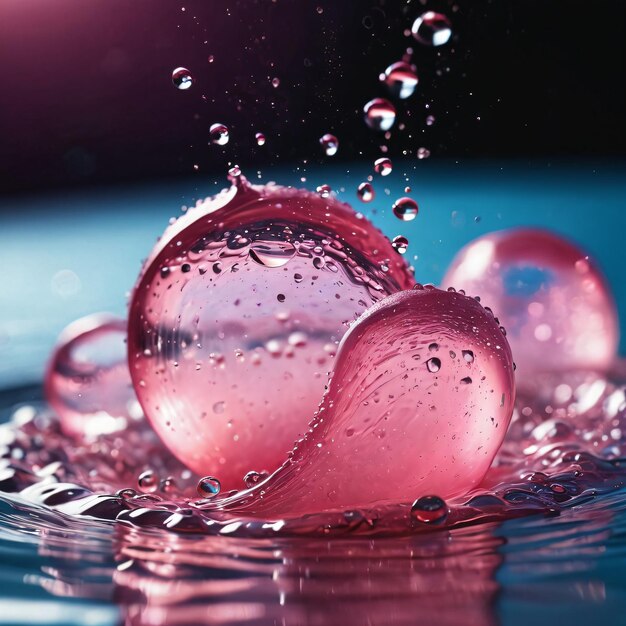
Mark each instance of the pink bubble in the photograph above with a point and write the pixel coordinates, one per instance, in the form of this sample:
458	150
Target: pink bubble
553	301
87	382
418	404
235	319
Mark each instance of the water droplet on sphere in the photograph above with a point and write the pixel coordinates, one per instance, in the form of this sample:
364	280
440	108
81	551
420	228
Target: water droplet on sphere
468	356
182	78
365	191
401	79
429	510
432	29
405	209
147	481
400	244
379	114
433	365
208	487
218	134
330	144
383	166
272	253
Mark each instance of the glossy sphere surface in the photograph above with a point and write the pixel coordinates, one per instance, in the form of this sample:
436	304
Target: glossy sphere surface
87	382
419	402
236	318
553	301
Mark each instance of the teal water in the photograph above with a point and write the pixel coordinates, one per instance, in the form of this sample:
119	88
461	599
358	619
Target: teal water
68	254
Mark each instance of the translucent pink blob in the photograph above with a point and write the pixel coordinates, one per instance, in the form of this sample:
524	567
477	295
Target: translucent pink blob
555	305
236	317
419	402
87	381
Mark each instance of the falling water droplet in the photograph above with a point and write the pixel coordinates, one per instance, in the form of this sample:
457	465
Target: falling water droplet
423	153
330	144
383	166
430	120
401	79
405	209
400	244
379	114
260	139
182	78
275	82
208	487
432	29
433	365
429	510
218	134
365	191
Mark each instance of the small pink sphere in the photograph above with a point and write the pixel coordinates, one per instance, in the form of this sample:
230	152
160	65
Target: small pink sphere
87	382
419	402
236	317
553	301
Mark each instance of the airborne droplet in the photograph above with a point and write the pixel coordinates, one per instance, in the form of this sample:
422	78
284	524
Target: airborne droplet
380	114
324	190
260	139
400	244
330	144
383	166
182	78
401	79
405	209
218	134
432	29
365	191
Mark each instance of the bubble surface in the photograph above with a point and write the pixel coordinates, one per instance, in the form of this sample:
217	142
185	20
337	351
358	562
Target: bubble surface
264	262
379	114
87	380
553	301
432	29
389	428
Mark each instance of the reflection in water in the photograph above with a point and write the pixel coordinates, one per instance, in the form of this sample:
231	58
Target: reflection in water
443	578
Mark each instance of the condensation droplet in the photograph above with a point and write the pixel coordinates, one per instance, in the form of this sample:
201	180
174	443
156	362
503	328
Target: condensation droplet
433	365
272	253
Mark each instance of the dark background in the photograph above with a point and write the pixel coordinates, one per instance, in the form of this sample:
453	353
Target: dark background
86	95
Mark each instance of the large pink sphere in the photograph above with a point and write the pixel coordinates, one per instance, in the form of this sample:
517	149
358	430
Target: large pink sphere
236	317
419	402
553	301
87	382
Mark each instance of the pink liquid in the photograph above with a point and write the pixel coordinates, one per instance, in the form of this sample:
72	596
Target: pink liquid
236	318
